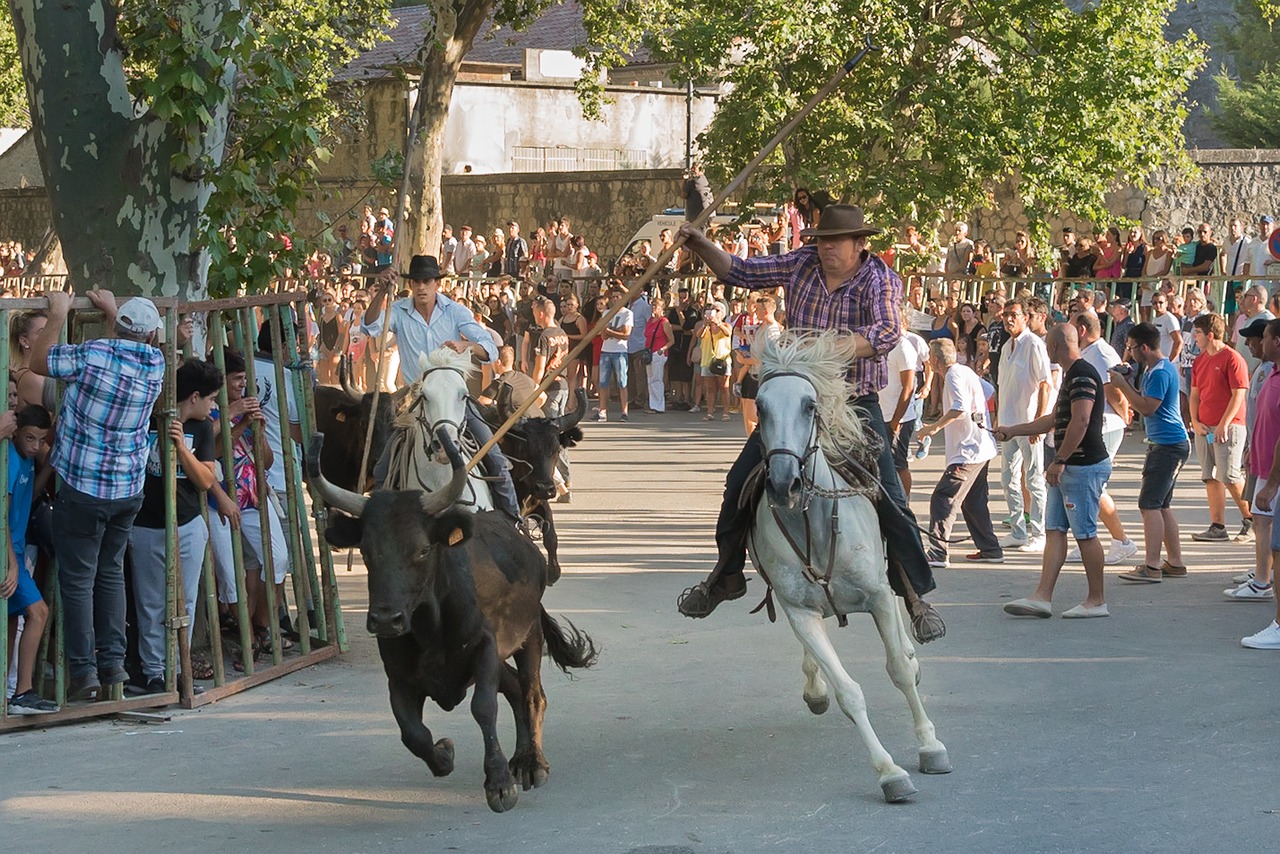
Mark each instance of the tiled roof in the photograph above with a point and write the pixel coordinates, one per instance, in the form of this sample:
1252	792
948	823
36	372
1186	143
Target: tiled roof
558	28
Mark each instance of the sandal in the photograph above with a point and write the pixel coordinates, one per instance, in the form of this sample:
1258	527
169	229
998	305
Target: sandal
708	417
201	668
724	417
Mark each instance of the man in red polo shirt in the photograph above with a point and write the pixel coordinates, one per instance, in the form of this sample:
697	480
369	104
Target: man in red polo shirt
1219	385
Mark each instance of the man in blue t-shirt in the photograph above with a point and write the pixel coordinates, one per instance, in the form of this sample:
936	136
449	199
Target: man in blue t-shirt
1167	450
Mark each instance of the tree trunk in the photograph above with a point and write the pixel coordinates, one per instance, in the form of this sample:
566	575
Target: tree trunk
444	49
126	220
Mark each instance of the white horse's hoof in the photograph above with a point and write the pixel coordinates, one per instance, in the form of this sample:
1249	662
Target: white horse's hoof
818	705
935	761
898	789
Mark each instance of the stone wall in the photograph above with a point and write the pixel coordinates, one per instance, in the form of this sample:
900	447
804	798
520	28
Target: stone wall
605	207
1242	183
24	215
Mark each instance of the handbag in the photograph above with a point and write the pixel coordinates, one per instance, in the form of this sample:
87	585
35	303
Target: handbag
646	354
719	367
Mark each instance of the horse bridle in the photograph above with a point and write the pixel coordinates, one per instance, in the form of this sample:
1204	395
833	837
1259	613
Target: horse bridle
806	480
433	428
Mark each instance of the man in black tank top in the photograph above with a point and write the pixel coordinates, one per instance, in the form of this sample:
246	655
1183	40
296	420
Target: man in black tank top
1076	478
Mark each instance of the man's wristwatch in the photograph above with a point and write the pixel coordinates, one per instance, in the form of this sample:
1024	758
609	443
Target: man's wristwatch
1058	461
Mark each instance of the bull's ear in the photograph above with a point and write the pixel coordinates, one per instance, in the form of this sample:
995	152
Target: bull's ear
451	528
570	437
343	531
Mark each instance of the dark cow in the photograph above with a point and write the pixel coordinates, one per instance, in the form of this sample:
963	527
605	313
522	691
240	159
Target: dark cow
533	446
342	414
452	596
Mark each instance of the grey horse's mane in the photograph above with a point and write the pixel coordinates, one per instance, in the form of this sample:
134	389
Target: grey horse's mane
823	358
441	358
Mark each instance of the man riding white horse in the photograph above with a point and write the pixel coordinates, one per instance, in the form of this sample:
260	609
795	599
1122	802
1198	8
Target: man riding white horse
424	322
835	283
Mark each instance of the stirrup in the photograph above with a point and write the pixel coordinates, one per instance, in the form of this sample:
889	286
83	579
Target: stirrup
926	623
701	599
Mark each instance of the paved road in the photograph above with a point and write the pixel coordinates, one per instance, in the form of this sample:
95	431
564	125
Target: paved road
1149	731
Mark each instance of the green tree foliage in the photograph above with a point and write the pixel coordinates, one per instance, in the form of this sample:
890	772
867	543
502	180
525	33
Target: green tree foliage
13	94
964	95
233	97
1247	114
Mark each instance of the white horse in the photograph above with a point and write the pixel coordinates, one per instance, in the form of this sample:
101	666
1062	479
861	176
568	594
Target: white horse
437	399
818	541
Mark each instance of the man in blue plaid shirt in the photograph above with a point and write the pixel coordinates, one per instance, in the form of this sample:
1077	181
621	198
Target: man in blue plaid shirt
100	452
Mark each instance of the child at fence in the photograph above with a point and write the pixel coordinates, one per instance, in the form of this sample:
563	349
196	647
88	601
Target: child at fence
30	428
244	417
197	384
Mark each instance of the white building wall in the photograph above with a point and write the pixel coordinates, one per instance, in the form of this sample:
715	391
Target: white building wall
506	127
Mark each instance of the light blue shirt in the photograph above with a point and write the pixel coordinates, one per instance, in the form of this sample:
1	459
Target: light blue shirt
416	337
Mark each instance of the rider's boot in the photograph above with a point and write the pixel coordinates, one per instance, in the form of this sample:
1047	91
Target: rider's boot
727	581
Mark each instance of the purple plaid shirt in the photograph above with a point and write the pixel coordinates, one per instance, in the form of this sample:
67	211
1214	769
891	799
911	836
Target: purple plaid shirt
102	443
870	304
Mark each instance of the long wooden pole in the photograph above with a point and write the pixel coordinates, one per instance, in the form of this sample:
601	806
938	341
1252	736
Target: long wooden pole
670	251
410	159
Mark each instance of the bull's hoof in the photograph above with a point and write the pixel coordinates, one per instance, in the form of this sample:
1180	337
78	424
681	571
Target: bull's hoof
898	789
501	800
442	766
553	572
530	771
935	761
818	705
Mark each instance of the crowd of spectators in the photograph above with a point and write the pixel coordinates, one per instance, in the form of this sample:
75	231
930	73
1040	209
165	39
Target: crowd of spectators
1004	379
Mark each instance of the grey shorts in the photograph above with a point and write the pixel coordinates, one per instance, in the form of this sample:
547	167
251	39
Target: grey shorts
1223	460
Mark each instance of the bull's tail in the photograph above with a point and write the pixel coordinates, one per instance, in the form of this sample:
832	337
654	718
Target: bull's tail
572	648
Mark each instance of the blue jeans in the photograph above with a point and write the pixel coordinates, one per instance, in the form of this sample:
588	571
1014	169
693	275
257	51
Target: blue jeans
1072	505
90	536
613	366
1019	457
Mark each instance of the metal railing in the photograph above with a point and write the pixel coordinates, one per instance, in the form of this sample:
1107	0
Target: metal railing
314	584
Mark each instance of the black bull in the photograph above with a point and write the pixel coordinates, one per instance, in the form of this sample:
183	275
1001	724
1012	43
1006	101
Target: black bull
452	597
534	445
342	414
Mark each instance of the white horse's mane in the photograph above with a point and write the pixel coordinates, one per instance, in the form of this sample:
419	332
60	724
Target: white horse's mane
823	358
441	358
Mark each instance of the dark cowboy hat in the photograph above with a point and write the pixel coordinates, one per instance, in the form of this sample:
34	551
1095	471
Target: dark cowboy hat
422	268
839	220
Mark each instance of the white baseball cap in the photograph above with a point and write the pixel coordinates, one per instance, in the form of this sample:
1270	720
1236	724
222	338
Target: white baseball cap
138	315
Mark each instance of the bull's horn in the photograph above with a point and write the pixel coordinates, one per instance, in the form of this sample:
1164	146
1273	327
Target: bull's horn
344	379
570	419
344	500
434	503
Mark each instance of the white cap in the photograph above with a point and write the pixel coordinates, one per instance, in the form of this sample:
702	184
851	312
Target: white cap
138	315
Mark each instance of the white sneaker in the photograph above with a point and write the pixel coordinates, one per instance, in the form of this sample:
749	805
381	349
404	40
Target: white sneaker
602	415
1250	591
1268	638
1035	544
1012	542
1243	578
1120	552
1073	556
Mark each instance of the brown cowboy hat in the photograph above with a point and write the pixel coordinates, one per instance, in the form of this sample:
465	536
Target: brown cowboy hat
840	220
